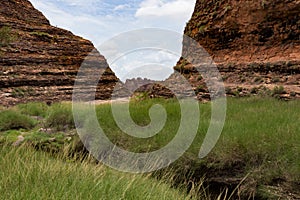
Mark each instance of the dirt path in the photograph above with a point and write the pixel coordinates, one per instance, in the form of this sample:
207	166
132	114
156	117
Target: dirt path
117	100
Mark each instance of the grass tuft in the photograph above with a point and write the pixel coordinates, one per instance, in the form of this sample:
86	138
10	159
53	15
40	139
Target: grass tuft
11	119
27	174
60	117
33	109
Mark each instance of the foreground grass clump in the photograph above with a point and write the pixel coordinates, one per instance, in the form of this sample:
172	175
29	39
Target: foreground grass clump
33	109
11	119
27	174
60	117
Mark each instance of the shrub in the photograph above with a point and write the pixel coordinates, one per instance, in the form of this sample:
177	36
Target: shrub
293	94
140	96
276	80
258	80
200	77
33	109
228	90
9	136
263	4
202	29
18	92
10	119
239	89
5	36
227	8
41	34
200	88
254	90
60	117
278	90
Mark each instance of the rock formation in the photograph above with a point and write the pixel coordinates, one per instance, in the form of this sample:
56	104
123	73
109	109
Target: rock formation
39	62
255	44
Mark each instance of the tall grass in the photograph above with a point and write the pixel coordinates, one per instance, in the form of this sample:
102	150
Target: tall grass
27	174
33	109
11	119
260	140
60	117
263	134
140	114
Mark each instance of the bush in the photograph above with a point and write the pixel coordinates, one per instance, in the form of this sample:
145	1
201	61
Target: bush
200	77
33	109
5	36
200	88
278	90
10	119
60	117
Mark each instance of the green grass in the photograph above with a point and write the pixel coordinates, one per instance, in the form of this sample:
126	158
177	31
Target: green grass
260	140
261	126
11	119
33	109
41	34
60	117
6	36
27	174
140	115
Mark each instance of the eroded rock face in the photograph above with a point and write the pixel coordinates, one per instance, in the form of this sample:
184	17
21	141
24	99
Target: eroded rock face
39	62
255	44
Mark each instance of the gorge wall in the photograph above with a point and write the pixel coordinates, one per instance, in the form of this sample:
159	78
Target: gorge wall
255	44
39	62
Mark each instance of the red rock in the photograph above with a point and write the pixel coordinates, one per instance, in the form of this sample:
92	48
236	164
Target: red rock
248	40
39	62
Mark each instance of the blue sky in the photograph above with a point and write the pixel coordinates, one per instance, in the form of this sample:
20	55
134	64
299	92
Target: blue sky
101	20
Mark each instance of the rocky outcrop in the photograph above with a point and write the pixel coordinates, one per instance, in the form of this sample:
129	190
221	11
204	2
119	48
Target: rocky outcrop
255	44
39	62
175	86
135	83
143	87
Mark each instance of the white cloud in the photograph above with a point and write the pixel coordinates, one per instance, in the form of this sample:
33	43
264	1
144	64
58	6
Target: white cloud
95	28
121	7
147	63
79	3
158	8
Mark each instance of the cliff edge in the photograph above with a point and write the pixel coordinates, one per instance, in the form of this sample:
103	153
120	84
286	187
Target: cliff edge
39	62
255	44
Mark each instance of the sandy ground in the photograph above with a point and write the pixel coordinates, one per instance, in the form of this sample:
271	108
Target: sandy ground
117	100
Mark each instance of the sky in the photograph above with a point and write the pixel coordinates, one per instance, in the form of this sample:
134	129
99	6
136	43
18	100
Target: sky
103	20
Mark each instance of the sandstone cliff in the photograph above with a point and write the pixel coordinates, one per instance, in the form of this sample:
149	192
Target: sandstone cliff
255	44
39	62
